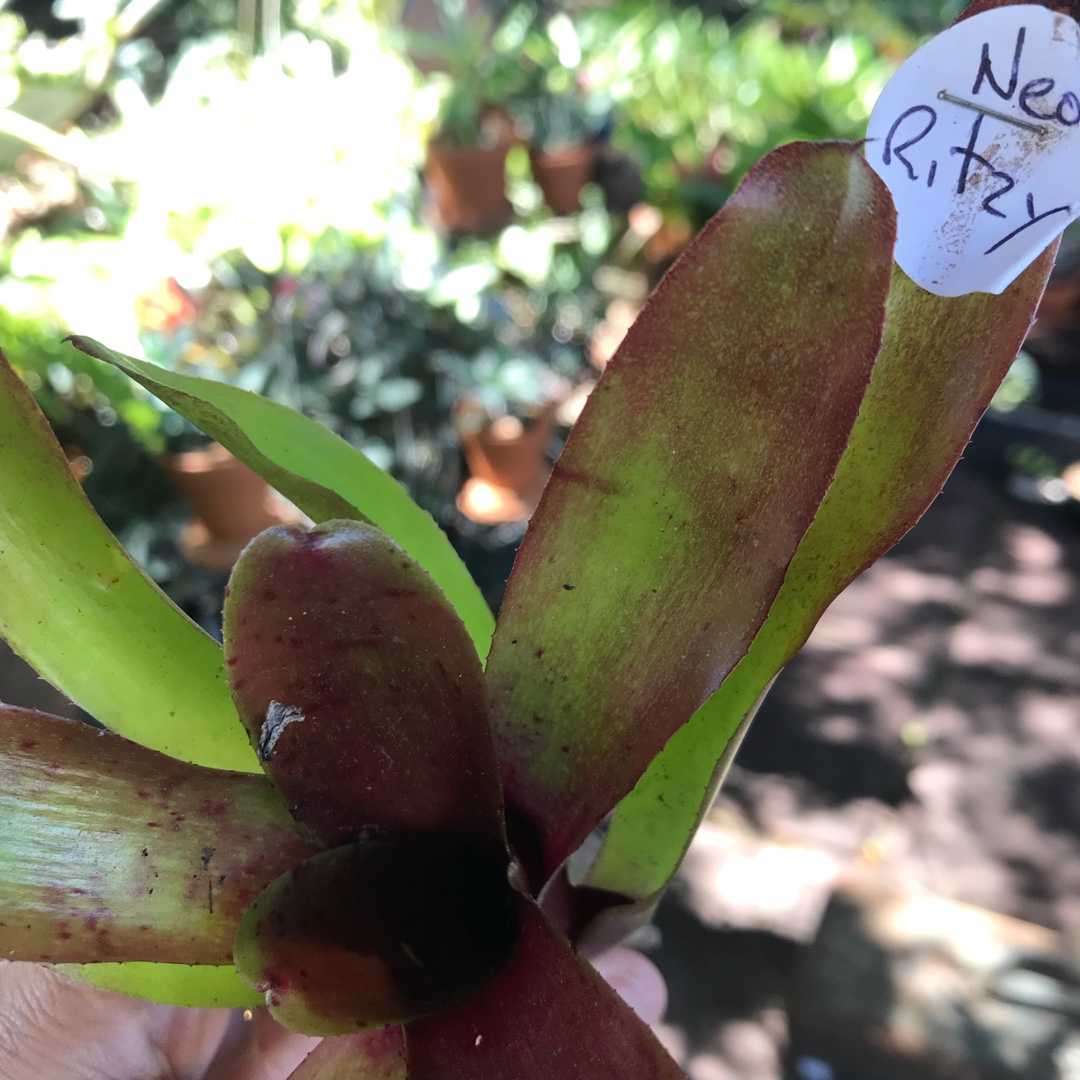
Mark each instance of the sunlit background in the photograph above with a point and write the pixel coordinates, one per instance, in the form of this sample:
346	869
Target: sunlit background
237	189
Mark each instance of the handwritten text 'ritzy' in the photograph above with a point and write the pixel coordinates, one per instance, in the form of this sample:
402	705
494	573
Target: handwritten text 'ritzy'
974	137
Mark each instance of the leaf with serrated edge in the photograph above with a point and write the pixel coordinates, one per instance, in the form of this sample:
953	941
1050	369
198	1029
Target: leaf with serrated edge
689	480
320	472
112	852
941	361
76	608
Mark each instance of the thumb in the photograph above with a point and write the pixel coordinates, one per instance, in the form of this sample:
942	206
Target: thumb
636	979
54	1028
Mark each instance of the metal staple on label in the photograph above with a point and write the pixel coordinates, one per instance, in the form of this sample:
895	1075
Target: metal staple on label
1027	125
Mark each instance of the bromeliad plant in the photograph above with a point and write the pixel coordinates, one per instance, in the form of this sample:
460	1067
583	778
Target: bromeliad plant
383	847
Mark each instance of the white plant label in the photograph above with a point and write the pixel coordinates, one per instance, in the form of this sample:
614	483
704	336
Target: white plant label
977	136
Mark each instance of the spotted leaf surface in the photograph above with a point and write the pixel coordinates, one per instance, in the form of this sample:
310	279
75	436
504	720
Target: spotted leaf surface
942	358
687	484
111	852
359	686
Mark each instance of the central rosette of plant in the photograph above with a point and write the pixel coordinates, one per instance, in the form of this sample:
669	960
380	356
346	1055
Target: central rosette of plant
364	698
783	410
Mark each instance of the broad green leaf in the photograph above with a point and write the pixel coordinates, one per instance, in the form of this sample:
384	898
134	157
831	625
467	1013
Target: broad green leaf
370	1055
199	986
358	684
379	931
696	467
547	1015
320	472
941	361
86	617
112	852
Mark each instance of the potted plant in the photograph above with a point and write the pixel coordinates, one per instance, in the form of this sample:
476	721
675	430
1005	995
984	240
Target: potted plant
563	149
466	158
565	120
398	860
230	502
504	417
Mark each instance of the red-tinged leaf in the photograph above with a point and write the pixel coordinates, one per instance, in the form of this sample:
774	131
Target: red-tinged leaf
110	851
941	361
369	1055
359	686
687	484
546	1016
942	358
378	932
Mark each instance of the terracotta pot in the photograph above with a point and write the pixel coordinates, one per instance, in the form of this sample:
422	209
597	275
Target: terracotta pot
232	504
468	184
508	466
562	175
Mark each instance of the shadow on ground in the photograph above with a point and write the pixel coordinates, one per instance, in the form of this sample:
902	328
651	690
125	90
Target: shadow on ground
930	730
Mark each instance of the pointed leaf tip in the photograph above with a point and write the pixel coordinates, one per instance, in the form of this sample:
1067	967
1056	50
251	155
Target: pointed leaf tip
318	470
75	607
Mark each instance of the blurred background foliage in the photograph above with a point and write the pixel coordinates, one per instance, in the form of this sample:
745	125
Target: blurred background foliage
245	189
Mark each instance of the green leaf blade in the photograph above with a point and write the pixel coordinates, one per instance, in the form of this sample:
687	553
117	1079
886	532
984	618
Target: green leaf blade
74	606
314	468
198	986
683	775
687	484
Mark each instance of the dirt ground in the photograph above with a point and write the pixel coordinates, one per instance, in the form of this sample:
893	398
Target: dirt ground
930	730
